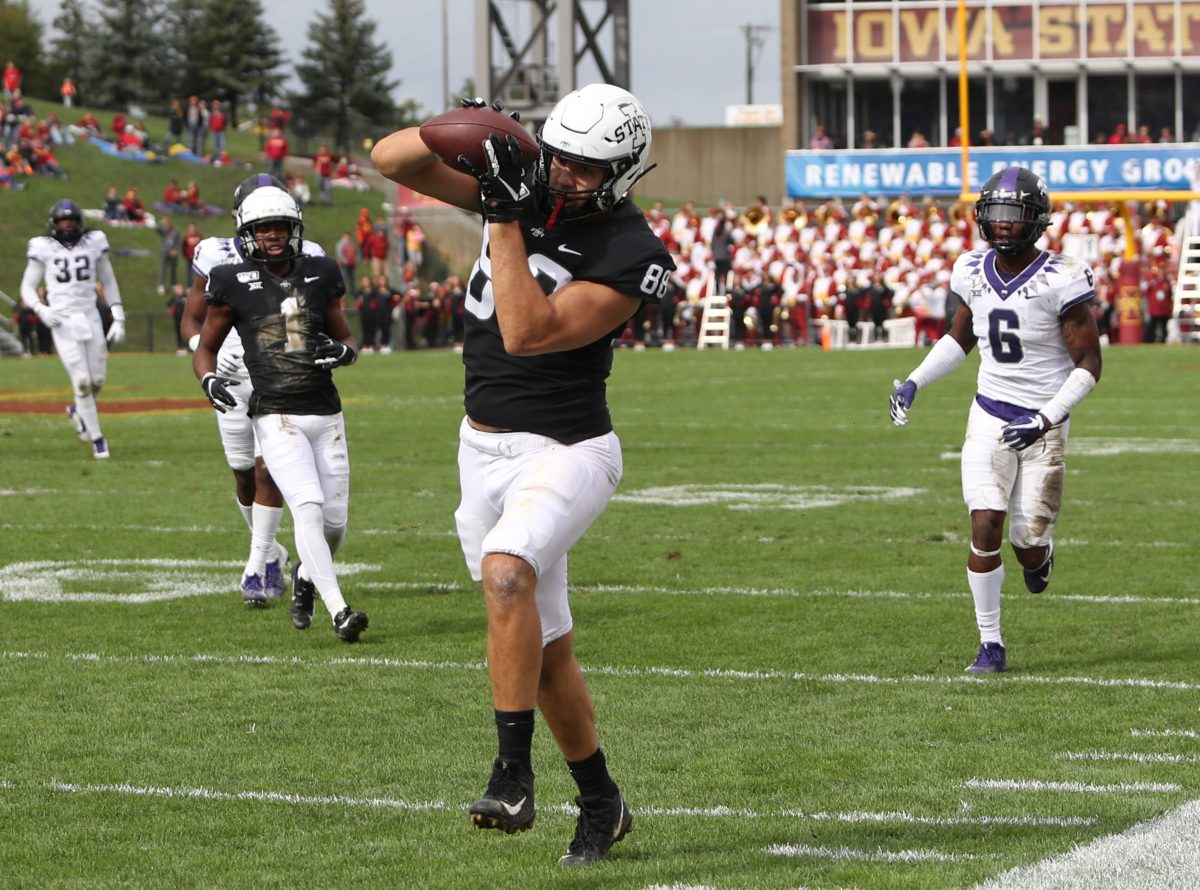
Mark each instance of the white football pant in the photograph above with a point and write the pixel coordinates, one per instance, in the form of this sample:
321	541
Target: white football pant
1028	485
532	497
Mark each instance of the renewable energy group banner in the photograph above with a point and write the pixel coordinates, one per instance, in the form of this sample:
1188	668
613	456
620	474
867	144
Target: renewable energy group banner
938	172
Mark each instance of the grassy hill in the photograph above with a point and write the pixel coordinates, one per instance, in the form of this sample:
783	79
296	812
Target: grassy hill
135	251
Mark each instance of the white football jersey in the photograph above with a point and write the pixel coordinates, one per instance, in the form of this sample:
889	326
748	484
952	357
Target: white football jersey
1018	322
70	270
212	252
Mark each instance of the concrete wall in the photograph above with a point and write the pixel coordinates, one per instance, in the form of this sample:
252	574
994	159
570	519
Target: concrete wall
705	164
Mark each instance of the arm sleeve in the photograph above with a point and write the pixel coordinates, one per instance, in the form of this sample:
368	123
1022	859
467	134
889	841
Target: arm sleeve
112	292
944	357
30	281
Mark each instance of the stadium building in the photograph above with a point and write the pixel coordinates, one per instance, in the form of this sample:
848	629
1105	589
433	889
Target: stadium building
1082	67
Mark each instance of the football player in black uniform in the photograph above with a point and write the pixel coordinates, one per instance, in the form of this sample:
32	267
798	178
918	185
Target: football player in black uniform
566	261
286	307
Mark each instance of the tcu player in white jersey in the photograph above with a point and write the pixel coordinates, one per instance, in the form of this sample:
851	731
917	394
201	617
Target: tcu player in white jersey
71	261
1039	358
258	498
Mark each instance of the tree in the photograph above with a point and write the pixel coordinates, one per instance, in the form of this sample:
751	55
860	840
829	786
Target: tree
344	75
181	29
237	53
70	50
21	41
130	43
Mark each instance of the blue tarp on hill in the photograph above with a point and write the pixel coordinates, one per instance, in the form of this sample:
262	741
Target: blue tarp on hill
110	148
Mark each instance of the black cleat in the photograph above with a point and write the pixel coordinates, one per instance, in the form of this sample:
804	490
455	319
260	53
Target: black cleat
601	824
1037	580
508	802
348	624
302	600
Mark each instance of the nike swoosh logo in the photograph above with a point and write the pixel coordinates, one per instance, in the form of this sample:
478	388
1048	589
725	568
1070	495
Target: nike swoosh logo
313	278
564	249
513	808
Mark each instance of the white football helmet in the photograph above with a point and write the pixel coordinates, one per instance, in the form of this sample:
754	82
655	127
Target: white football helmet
602	125
269	204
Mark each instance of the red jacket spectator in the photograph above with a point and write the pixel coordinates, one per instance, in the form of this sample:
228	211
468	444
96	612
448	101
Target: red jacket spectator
323	161
118	124
89	123
191	239
135	210
12	78
67	91
279	118
129	139
276	150
362	228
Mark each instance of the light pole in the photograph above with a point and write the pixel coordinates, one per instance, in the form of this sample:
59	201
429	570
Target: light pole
753	43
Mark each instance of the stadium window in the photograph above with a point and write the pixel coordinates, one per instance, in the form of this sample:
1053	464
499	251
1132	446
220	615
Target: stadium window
919	110
976	96
1155	101
1107	102
1191	108
873	111
1014	110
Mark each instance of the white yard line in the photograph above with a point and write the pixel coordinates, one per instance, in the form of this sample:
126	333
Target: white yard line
846	854
790	593
1164	733
1128	757
1161	854
339	800
604	670
1071	787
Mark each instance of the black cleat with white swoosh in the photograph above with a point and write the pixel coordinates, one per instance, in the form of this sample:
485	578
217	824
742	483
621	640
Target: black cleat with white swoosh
508	802
602	822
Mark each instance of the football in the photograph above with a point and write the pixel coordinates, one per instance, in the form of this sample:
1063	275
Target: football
462	131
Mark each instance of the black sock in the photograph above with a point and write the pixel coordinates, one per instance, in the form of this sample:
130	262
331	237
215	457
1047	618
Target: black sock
515	729
591	775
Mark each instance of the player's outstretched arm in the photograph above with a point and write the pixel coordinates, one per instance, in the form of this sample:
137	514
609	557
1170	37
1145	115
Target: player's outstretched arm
404	157
946	355
194	312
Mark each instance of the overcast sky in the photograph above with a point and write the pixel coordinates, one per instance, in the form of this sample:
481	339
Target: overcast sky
687	57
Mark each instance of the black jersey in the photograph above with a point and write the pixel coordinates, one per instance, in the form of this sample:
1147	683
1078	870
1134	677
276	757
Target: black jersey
558	394
278	320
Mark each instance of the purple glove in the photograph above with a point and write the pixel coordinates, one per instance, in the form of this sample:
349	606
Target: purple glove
902	399
1024	431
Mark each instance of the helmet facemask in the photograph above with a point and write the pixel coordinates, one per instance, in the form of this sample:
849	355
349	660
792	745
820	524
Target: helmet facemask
599	125
269	205
1016	196
66	210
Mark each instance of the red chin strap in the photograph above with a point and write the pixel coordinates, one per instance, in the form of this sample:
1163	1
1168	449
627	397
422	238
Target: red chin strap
558	206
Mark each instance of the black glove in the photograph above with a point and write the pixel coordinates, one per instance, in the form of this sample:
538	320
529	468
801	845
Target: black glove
500	182
330	353
216	389
496	105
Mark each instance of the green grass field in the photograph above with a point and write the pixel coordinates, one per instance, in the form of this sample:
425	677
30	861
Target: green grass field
773	616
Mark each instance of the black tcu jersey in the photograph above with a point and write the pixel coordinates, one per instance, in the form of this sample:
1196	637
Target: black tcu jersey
278	320
558	394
